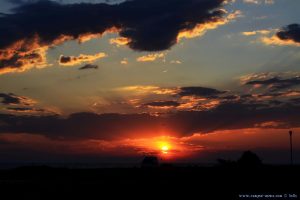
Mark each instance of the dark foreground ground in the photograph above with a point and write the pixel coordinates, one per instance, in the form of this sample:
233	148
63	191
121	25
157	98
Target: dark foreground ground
160	183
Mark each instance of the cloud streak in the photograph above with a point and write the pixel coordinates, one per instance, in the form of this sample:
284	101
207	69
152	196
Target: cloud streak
199	91
259	1
276	83
82	58
272	81
88	66
162	104
150	57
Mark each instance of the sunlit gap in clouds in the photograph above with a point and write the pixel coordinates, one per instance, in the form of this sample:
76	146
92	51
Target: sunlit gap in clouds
167	148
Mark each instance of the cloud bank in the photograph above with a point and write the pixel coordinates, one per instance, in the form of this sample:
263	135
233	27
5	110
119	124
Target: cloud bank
184	112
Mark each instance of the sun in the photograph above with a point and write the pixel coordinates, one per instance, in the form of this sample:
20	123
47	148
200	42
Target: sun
165	148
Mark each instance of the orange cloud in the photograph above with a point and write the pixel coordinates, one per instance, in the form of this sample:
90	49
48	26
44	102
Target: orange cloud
120	41
89	36
270	124
197	104
255	76
270	38
26	54
274	40
251	33
190	102
124	61
82	58
211	104
176	62
200	29
150	57
290	93
23	55
148	89
243	138
25	61
161	107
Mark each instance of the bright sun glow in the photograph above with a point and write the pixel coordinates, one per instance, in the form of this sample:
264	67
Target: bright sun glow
165	148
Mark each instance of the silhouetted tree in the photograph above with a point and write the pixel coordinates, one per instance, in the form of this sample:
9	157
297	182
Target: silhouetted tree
249	159
150	162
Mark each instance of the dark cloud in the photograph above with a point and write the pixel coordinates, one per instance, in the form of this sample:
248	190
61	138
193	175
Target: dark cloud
20	104
199	91
163	104
89	66
275	102
64	59
227	116
17	1
79	125
230	97
61	1
290	32
20	109
295	100
277	83
150	25
26	109
9	98
82	58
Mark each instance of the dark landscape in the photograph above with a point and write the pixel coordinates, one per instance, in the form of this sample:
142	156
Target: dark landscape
223	181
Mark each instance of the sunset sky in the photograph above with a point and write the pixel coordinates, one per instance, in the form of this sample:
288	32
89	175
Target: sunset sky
112	81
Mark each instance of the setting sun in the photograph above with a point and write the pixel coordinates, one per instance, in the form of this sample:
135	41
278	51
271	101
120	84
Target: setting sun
165	148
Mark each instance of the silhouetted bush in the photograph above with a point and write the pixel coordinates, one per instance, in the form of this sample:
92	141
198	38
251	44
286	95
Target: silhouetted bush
150	162
249	159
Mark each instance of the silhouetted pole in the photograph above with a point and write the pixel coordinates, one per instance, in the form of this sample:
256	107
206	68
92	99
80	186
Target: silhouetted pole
291	146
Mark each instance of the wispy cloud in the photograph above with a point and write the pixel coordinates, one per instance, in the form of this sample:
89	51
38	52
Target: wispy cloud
201	29
82	58
259	1
261	32
150	57
120	41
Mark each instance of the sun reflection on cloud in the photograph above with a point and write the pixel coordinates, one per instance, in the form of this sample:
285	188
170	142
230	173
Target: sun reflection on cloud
165	147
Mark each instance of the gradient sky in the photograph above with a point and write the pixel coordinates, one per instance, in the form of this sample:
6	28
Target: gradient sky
92	80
